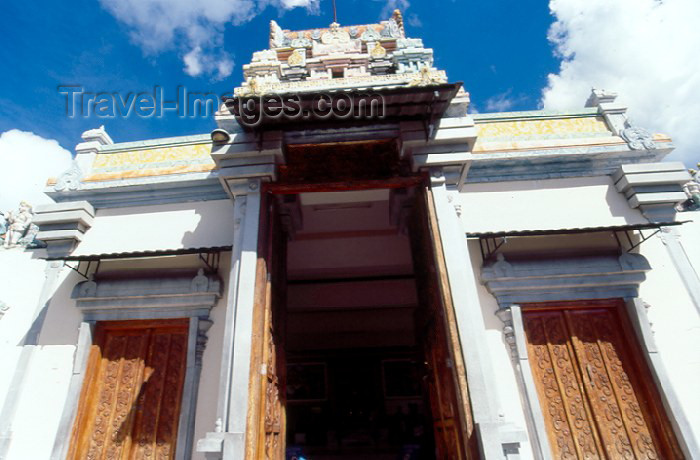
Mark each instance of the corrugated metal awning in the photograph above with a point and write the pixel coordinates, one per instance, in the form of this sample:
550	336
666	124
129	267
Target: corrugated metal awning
490	242
565	231
142	254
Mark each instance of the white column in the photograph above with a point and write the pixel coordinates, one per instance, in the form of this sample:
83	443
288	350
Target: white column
493	433
228	439
514	333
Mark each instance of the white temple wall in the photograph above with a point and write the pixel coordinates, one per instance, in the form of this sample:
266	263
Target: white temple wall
676	325
49	368
545	204
62	317
41	402
511	408
580	203
208	392
690	237
48	365
21	279
159	227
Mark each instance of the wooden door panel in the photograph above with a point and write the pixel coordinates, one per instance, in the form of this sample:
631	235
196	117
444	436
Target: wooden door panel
130	402
266	413
595	392
596	337
446	383
571	433
446	425
159	404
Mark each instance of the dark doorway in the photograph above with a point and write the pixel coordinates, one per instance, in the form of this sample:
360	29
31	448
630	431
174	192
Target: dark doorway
361	336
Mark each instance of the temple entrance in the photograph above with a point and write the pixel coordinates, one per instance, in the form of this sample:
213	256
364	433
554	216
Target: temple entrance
360	356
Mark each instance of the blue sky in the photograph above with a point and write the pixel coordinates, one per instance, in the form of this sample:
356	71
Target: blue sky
495	48
511	55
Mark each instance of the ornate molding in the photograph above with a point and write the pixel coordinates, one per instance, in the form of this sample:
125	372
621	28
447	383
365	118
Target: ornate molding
426	77
575	278
638	138
149	298
69	179
203	326
506	317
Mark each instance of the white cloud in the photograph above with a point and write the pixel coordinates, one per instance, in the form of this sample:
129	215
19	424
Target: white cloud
414	20
503	102
218	65
645	50
194	28
27	162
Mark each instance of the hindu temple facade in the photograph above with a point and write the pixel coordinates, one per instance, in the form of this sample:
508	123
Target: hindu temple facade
351	265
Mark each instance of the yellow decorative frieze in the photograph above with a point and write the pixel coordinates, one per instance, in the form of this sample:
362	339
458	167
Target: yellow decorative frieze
152	162
134	173
482	146
155	155
564	127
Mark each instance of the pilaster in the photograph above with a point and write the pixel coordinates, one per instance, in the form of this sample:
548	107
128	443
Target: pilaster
497	438
227	441
514	337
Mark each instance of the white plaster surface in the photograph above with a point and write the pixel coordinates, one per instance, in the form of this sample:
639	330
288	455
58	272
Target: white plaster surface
690	237
211	362
62	317
159	227
584	202
589	202
21	279
545	205
511	408
44	388
675	321
41	403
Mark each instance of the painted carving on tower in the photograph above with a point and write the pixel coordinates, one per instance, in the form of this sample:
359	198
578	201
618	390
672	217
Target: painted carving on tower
340	57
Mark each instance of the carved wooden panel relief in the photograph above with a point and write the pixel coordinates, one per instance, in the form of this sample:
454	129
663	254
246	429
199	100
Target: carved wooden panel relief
453	427
265	439
443	399
130	402
593	386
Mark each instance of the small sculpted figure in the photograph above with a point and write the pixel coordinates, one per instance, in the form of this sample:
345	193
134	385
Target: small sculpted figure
18	224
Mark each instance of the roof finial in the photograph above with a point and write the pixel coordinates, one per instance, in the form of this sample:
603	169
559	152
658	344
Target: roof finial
335	15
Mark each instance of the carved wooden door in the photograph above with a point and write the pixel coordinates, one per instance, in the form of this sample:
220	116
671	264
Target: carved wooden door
130	401
595	389
446	376
266	416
